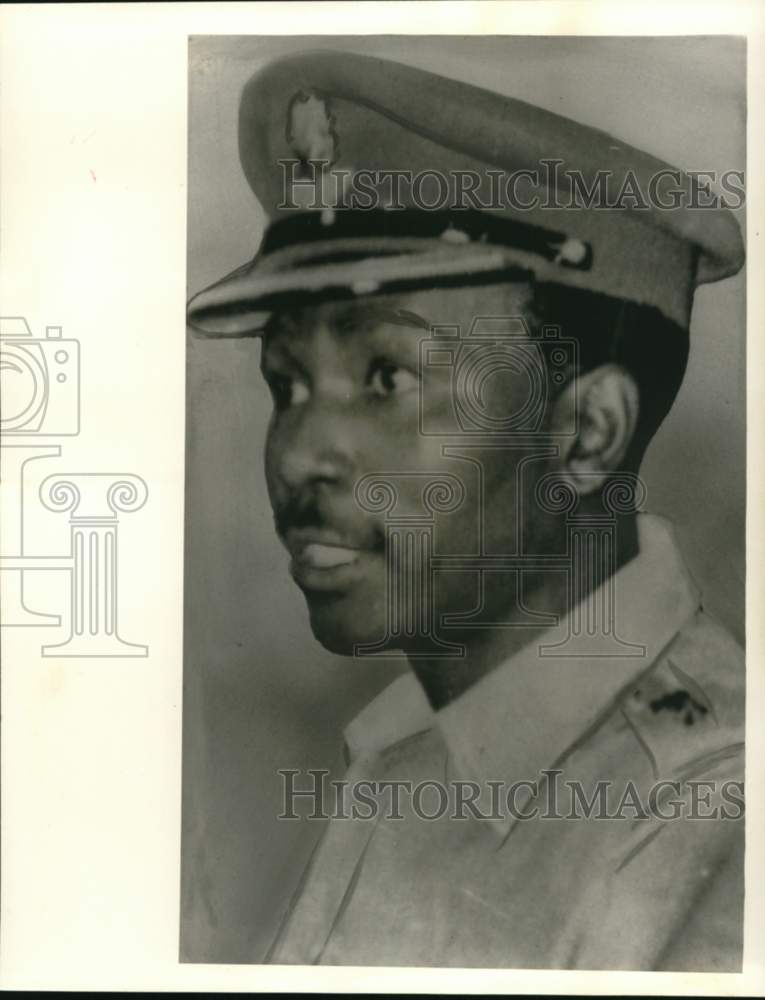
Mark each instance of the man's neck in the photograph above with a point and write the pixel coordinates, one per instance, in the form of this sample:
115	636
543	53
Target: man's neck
554	593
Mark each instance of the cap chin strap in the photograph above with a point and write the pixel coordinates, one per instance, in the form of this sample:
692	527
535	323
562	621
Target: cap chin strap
454	226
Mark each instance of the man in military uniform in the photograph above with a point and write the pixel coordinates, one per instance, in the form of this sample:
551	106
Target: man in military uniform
489	525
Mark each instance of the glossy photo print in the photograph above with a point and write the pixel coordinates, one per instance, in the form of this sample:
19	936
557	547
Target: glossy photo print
464	578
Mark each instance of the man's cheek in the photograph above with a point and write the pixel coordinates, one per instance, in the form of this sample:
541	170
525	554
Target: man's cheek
279	449
390	441
270	457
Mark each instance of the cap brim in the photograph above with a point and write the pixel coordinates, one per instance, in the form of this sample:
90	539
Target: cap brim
240	304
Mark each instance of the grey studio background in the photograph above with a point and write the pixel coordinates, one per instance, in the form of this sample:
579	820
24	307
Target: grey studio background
259	692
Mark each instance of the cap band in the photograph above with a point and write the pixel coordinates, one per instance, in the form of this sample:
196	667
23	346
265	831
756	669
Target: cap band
454	226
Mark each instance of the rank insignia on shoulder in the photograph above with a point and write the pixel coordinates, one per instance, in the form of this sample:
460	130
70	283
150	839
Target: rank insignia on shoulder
680	701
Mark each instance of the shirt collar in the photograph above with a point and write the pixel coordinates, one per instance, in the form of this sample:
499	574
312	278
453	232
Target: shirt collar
525	714
399	711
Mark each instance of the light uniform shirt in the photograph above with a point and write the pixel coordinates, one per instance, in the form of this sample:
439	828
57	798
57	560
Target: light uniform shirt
633	891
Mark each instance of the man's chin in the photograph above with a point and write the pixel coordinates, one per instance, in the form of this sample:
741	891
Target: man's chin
334	642
342	629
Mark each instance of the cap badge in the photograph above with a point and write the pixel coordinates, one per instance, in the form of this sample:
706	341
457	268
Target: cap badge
310	128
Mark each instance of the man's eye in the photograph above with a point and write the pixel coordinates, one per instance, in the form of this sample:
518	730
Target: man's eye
386	379
287	391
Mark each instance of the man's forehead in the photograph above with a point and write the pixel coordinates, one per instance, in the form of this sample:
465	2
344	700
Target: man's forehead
418	309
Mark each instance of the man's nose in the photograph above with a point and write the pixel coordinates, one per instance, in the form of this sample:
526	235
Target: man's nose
319	447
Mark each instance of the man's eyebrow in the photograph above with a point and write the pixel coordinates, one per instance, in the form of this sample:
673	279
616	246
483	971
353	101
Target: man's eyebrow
391	315
405	317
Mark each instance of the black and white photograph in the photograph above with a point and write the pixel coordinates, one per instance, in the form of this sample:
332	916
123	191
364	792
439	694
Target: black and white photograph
465	502
382	394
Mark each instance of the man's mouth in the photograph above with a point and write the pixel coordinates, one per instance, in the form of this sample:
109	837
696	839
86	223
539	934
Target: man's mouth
318	556
327	561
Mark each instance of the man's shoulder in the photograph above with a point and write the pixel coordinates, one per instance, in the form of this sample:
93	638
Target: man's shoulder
689	708
677	736
713	651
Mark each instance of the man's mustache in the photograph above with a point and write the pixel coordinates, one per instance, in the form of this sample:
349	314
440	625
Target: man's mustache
315	510
298	511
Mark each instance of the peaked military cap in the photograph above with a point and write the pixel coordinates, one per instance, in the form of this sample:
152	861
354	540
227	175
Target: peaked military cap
492	196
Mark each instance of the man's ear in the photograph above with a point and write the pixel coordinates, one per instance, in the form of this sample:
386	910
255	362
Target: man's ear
606	401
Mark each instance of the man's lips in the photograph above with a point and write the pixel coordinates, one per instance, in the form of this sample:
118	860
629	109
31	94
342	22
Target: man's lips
328	559
318	556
